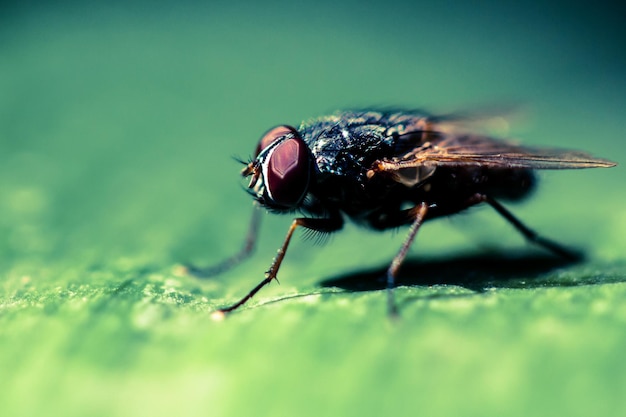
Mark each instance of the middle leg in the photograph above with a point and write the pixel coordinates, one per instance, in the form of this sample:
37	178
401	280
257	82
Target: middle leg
418	213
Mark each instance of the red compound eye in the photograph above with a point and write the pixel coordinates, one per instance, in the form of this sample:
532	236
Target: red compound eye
288	172
272	135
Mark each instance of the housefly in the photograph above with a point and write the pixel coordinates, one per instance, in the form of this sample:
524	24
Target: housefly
386	169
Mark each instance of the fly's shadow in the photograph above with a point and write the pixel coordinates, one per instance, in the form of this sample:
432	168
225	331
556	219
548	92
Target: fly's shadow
476	272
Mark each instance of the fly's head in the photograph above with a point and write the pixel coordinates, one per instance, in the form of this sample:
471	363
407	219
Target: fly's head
281	170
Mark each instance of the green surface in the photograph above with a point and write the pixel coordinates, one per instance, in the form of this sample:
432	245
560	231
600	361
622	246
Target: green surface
117	128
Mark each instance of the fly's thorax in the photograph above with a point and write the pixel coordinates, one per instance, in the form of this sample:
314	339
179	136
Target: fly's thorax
282	169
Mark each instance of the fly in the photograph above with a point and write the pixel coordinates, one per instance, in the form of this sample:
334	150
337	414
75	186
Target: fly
384	170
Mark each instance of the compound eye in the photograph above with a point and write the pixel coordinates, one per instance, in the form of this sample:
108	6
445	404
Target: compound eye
272	135
288	172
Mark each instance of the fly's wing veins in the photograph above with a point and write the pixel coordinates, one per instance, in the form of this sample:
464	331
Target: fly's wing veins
467	150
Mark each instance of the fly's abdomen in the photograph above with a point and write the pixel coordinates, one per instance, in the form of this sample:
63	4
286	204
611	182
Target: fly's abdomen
507	184
458	185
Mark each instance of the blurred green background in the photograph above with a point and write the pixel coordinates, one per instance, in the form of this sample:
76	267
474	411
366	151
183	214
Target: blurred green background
118	123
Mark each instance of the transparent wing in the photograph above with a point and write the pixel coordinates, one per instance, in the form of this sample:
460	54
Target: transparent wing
476	150
461	150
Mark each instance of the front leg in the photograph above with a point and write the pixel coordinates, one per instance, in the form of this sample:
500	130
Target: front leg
323	225
236	259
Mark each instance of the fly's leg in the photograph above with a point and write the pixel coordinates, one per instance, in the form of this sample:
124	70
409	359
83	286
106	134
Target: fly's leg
527	232
530	234
237	258
418	213
323	225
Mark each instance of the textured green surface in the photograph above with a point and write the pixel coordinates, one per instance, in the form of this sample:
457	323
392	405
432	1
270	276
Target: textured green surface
117	127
